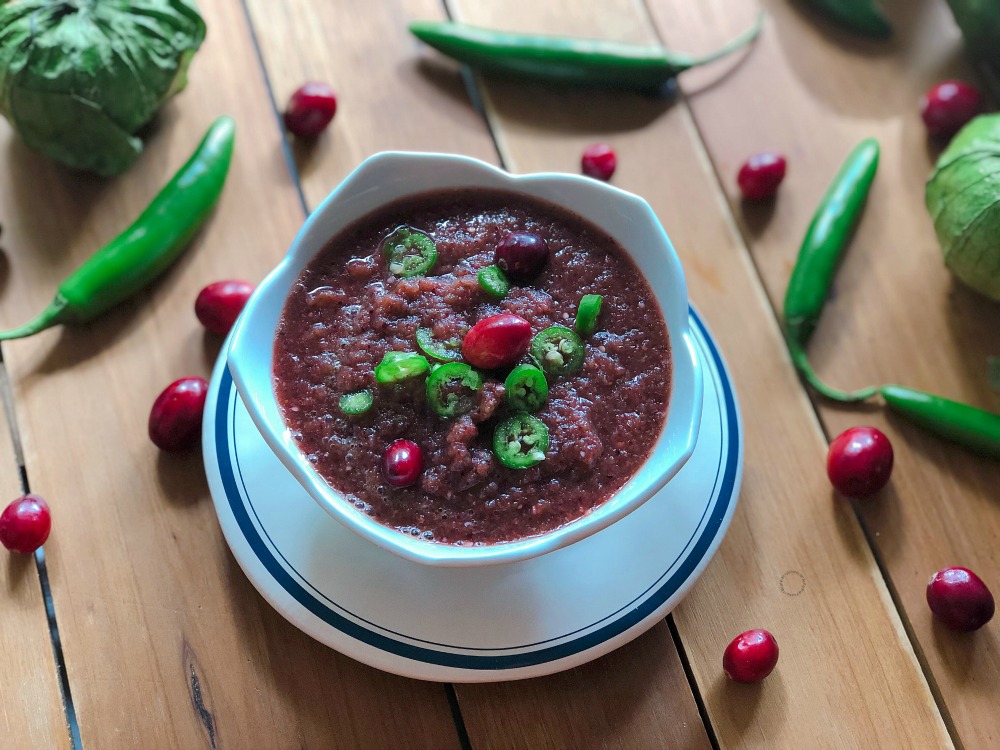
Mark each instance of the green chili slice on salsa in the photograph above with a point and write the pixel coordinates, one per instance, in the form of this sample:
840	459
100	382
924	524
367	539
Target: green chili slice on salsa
587	313
409	252
446	351
526	389
356	403
520	441
396	367
452	388
494	281
559	350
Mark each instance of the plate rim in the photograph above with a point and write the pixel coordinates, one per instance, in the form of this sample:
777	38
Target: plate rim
509	666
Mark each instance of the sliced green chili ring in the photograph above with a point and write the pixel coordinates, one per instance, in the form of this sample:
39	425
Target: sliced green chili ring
587	312
409	252
559	350
494	281
526	389
451	389
356	403
446	351
396	367
520	441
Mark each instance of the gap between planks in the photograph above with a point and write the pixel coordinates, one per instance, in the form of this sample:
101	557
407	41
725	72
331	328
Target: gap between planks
69	710
889	588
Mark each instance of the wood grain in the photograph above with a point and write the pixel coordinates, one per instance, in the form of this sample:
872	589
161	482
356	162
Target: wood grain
426	109
896	314
848	676
32	711
167	643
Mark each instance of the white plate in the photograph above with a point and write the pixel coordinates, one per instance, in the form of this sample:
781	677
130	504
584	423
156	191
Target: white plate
500	622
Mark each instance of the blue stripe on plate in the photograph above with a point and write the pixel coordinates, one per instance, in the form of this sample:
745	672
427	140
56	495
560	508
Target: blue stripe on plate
474	661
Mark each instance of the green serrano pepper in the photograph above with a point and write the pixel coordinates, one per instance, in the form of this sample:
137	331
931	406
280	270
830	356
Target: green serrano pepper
966	425
861	16
567	60
824	243
147	248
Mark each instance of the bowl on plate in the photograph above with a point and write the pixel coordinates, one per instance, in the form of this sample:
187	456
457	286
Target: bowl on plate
391	176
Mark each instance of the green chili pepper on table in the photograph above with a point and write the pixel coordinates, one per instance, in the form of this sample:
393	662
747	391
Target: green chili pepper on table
966	425
861	16
567	60
828	234
147	248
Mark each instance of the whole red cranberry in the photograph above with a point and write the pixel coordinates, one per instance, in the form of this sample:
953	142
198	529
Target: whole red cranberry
497	341
220	303
175	419
310	109
960	599
859	462
947	106
25	524
599	161
761	175
402	463
751	656
522	255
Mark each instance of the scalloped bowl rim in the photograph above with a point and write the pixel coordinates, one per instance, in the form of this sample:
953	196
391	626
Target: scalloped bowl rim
388	176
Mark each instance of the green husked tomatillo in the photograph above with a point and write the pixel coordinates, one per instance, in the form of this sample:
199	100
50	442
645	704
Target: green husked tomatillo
963	198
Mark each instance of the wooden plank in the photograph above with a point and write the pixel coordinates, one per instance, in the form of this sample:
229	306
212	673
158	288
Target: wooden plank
896	315
636	698
167	643
389	97
32	711
848	676
304	40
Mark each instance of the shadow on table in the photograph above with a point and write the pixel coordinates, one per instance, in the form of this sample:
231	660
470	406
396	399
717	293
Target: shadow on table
750	708
323	694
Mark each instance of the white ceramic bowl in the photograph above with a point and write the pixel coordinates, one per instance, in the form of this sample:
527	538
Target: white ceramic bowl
386	177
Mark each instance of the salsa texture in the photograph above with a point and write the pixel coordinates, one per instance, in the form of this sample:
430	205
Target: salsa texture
347	310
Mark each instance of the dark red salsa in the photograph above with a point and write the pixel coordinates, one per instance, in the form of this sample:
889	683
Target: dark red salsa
358	300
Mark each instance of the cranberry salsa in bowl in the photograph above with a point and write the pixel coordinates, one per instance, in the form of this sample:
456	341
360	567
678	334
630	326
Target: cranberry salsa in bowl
469	367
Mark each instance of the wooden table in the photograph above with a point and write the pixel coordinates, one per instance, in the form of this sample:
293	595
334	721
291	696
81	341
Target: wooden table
153	637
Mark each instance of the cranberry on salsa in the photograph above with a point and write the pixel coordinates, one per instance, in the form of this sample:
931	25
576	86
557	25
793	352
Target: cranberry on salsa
473	367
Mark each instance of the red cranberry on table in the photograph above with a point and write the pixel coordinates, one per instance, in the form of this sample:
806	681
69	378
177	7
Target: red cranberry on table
960	599
947	106
761	175
751	656
522	255
599	161
497	341
859	461
402	463
175	419
220	303
310	109
25	524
